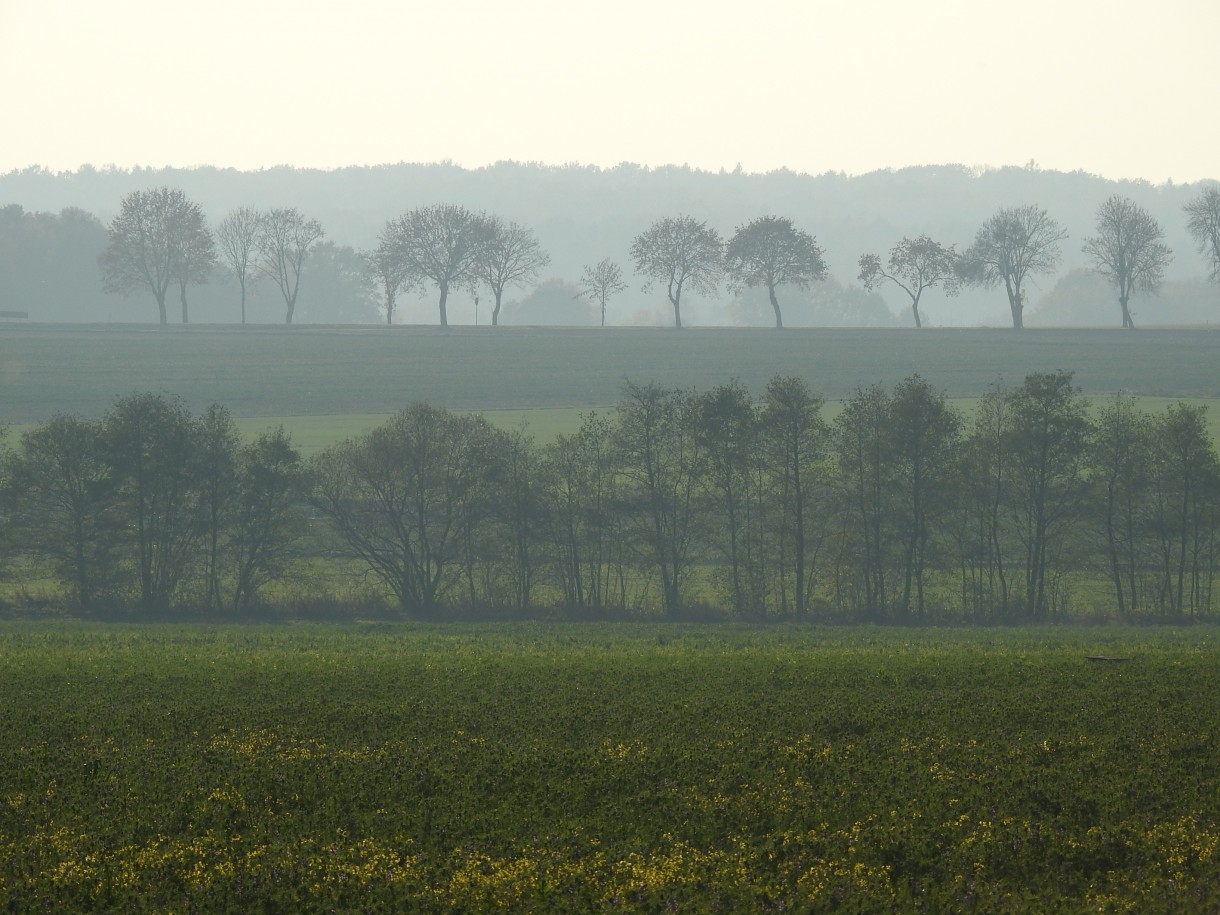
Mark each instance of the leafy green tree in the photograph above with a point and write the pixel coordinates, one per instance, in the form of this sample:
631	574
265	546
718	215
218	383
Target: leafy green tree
795	440
865	468
61	497
771	252
661	464
1013	245
726	425
1050	441
159	237
925	438
1127	250
982	532
510	254
914	266
1186	483
400	500
587	523
268	517
215	461
1204	226
1122	460
440	244
682	253
154	450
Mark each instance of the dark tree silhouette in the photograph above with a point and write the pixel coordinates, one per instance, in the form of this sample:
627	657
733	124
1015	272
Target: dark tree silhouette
440	244
1204	227
1127	250
599	283
915	265
1013	245
284	244
770	251
238	236
680	252
159	237
510	254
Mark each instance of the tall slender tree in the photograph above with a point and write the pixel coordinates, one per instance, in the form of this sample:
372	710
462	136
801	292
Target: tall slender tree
238	237
284	243
1127	250
1204	226
1013	245
682	253
510	254
601	282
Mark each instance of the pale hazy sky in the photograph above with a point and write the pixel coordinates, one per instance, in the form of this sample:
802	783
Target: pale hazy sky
1125	90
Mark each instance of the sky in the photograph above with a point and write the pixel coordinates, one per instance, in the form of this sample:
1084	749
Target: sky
809	85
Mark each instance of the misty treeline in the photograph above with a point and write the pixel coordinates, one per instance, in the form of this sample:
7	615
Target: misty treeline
560	246
896	506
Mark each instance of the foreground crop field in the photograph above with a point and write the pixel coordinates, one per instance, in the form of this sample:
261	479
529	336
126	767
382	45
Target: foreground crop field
613	768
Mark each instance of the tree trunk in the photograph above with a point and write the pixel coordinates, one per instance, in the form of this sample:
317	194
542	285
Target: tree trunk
495	311
1127	322
444	302
677	303
161	309
779	320
182	293
243	300
915	312
1017	306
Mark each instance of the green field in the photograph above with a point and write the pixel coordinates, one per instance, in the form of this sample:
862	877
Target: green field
637	768
329	371
327	383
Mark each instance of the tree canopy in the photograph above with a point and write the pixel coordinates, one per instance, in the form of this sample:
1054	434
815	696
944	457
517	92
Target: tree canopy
682	253
1010	247
1128	250
770	251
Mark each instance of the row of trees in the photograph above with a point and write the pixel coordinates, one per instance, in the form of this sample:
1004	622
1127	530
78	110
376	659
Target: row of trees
900	507
161	239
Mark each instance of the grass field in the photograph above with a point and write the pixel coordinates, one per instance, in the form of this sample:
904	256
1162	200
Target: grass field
329	371
637	768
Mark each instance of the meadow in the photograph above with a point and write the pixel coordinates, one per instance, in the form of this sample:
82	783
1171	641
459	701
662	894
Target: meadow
632	768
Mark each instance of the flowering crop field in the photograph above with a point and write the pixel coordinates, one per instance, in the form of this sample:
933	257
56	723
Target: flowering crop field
634	768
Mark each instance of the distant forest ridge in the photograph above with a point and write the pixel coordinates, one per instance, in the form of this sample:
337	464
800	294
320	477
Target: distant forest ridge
584	214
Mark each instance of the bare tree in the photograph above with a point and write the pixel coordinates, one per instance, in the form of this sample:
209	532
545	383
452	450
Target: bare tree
680	252
442	244
1013	245
1127	250
238	235
389	271
915	265
1204	227
159	237
284	244
599	283
510	254
770	251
